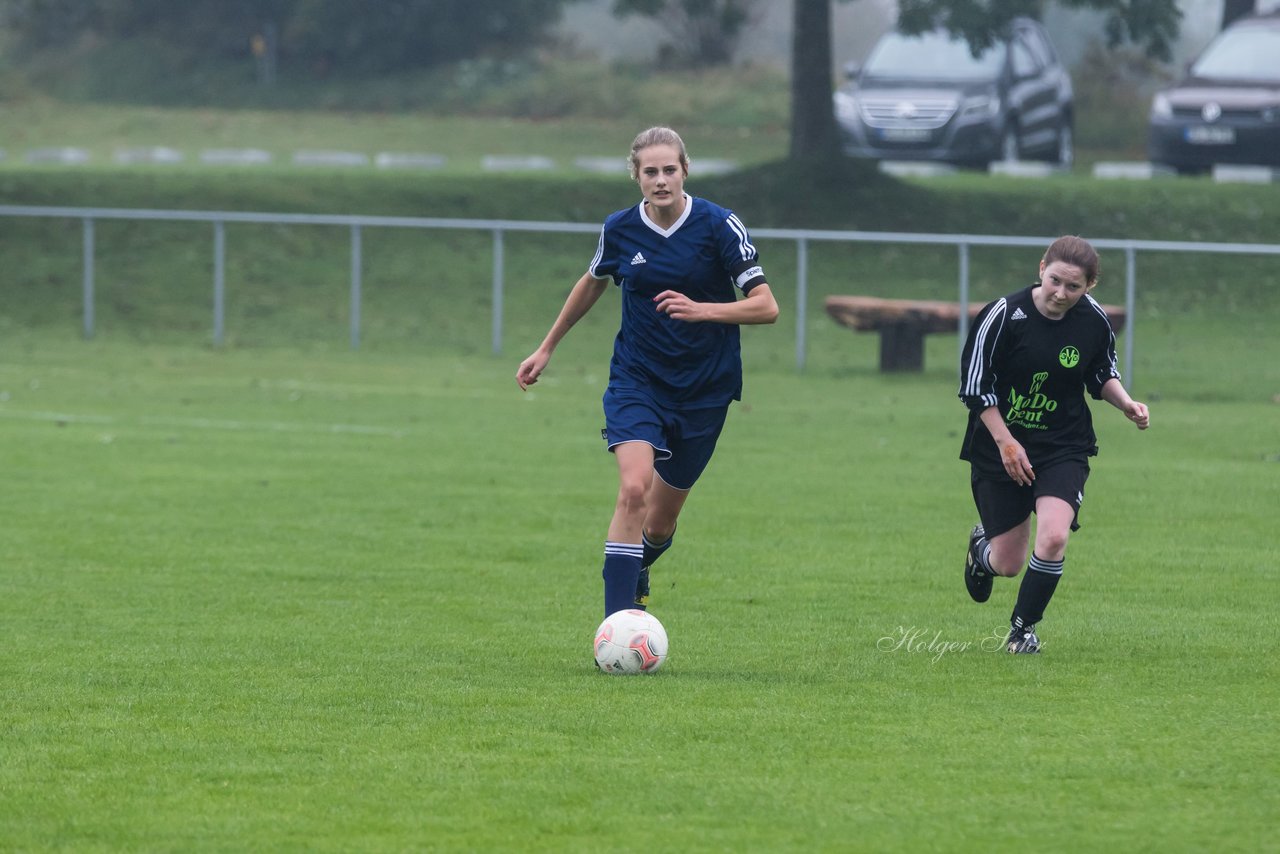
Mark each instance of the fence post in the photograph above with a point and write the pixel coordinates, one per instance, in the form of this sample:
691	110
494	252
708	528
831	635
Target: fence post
87	255
802	299
497	291
219	280
1130	293
355	285
964	295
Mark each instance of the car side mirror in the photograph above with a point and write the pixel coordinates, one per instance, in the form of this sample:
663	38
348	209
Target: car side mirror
851	70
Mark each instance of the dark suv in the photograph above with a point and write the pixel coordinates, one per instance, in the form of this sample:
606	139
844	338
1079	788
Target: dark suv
927	97
1227	108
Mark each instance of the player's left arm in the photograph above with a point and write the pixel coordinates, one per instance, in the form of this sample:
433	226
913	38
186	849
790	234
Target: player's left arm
758	306
1103	379
1114	393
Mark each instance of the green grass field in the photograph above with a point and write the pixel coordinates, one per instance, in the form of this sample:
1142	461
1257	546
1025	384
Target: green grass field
285	600
286	596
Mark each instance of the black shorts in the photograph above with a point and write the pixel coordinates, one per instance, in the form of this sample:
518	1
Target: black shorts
1004	505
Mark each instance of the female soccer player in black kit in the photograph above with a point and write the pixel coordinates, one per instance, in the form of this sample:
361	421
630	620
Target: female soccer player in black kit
1028	359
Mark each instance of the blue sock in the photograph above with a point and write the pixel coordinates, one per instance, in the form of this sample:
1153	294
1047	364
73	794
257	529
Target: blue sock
652	550
621	571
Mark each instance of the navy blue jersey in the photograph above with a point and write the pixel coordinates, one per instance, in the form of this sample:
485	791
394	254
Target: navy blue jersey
707	255
1036	371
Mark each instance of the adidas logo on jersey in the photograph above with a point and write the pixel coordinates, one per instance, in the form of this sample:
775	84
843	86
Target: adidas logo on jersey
1018	314
638	259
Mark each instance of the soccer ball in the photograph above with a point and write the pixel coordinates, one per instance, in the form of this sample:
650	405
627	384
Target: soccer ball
630	642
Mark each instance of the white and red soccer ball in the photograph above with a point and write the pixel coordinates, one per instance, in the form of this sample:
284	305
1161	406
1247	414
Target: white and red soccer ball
630	642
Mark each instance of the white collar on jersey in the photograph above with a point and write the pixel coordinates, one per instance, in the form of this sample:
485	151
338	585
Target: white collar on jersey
675	226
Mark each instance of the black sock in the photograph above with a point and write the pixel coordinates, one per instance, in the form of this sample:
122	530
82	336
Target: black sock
1038	584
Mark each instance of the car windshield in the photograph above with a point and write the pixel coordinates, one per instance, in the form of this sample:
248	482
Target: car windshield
931	56
1248	53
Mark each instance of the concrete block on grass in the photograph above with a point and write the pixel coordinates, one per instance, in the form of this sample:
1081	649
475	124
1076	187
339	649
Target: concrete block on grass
711	166
1133	171
152	154
1024	169
235	157
66	155
915	169
603	165
516	163
1244	174
330	158
408	160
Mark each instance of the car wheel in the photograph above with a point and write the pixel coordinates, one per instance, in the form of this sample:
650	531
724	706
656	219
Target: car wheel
1010	151
1066	146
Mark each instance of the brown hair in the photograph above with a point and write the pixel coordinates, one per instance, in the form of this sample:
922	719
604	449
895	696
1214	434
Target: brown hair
656	136
1077	252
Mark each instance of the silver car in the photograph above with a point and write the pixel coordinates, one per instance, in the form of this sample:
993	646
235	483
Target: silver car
928	97
1227	108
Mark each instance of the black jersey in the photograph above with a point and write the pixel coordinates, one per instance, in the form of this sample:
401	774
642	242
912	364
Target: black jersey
1036	371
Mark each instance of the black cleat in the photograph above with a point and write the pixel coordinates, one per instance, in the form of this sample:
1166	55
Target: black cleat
642	589
1023	640
976	579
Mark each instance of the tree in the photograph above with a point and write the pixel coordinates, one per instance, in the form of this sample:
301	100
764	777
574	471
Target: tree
703	32
1153	24
813	123
1233	10
367	36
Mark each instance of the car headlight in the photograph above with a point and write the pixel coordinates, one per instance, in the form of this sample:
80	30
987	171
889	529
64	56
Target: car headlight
980	106
846	106
1161	108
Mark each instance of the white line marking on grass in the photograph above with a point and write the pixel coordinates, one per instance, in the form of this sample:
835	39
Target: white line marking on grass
210	424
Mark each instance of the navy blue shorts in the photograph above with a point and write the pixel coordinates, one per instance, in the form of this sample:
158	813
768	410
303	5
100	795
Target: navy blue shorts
682	440
1004	505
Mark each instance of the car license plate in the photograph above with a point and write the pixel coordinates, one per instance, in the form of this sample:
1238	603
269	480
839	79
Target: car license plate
1204	135
905	134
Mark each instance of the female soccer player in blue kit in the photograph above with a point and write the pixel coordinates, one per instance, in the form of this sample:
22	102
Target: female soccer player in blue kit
1027	362
679	262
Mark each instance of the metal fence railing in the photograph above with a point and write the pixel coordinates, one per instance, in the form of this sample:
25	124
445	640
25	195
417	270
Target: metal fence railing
499	228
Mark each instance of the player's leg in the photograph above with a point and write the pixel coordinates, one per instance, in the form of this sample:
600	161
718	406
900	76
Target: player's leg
998	545
622	548
1008	551
665	504
1057	509
633	432
692	438
662	511
1044	570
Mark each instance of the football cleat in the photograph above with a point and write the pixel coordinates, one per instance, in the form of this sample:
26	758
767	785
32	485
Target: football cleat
976	579
642	589
1023	640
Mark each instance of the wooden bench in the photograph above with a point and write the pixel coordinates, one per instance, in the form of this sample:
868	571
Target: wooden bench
903	323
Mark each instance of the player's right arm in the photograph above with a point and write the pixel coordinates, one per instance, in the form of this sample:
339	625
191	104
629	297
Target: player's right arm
978	389
977	361
1012	455
583	296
